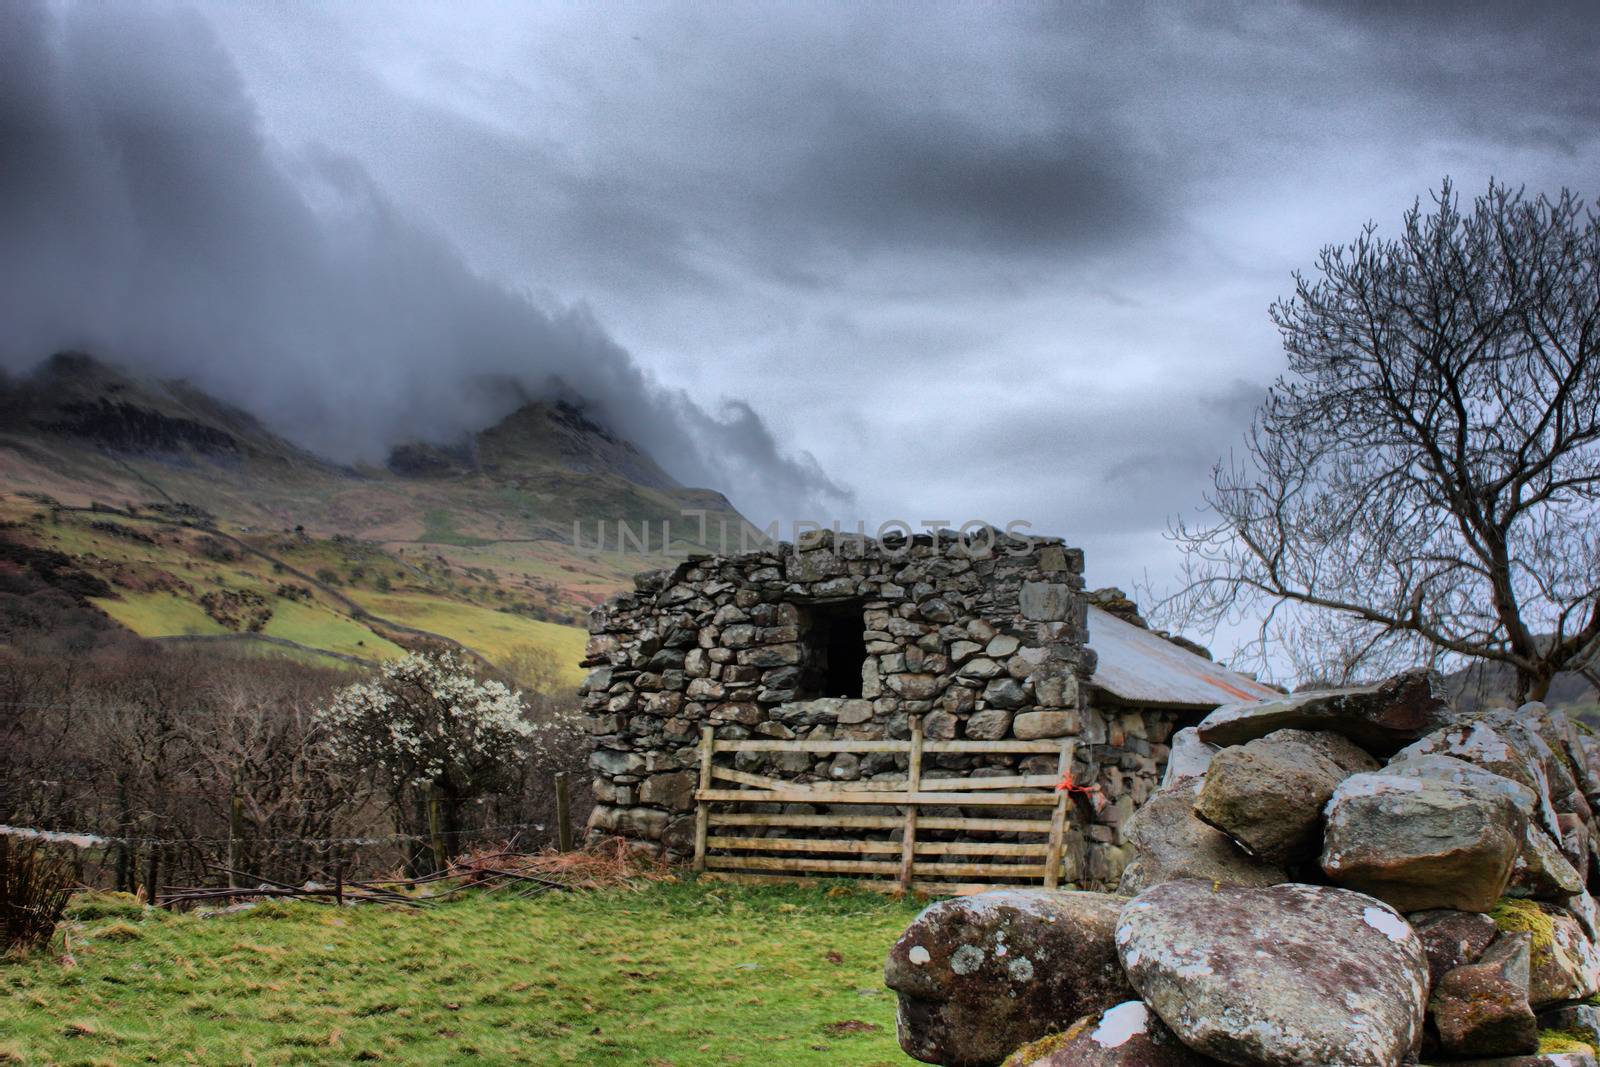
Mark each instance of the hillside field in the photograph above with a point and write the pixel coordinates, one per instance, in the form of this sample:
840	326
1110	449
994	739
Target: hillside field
317	599
666	975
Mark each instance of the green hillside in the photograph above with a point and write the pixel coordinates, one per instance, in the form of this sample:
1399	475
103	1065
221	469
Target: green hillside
186	520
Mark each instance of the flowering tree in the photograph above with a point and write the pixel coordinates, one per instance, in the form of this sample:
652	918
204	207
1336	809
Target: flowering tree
436	733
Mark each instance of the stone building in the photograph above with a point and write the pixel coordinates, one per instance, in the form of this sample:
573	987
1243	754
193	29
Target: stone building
851	639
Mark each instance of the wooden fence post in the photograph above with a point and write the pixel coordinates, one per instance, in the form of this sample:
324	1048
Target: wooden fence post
908	835
1058	818
563	813
152	873
702	809
235	839
435	830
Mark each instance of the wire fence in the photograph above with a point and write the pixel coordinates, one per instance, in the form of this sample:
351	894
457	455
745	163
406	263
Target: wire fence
87	840
76	775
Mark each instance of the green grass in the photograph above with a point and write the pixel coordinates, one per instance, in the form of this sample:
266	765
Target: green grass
317	627
496	634
670	976
159	615
438	527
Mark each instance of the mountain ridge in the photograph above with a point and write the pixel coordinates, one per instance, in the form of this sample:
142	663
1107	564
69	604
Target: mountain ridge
194	516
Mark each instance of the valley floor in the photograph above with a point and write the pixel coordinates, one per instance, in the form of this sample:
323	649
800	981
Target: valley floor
671	974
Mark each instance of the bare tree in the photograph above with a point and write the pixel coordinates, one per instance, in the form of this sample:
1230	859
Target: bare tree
1426	476
263	759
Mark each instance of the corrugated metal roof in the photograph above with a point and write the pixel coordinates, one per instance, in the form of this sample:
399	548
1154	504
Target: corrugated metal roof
1137	667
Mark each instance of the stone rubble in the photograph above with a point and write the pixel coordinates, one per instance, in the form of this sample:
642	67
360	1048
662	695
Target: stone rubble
1333	879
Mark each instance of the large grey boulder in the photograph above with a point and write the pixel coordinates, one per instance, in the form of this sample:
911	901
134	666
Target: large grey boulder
1267	795
1588	767
1583	908
1540	868
1576	843
1475	739
979	976
1443	768
1420	843
1170	842
1481	1009
1381	718
1128	1035
1285	975
1546	736
1350	757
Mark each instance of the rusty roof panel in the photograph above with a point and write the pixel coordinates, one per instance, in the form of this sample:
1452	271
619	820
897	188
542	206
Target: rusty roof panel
1137	667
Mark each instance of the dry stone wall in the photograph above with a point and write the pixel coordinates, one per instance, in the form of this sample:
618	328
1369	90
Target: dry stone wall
848	638
1358	877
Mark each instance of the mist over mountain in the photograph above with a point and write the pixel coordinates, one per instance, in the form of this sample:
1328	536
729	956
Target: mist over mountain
148	219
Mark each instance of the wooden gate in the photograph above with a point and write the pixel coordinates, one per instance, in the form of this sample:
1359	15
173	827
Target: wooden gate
728	842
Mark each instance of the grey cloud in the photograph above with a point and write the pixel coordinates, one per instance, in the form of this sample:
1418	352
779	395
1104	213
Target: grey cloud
148	218
978	260
939	180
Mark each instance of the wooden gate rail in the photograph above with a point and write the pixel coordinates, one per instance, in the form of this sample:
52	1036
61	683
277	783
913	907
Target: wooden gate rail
900	860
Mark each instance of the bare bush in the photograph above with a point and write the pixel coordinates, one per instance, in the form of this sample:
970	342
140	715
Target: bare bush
187	760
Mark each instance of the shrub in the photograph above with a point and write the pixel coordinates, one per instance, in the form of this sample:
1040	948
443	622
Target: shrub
439	738
217	551
428	719
34	889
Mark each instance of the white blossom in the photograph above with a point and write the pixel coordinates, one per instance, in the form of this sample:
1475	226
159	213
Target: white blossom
427	718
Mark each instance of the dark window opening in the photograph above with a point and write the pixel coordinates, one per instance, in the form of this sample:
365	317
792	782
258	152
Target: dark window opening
836	649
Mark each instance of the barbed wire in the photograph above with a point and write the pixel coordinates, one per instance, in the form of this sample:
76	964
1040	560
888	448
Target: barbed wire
87	840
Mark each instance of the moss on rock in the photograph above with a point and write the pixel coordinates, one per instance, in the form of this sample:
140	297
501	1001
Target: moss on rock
1034	1051
1551	1041
1511	915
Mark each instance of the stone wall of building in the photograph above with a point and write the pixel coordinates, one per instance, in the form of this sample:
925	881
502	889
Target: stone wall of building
847	638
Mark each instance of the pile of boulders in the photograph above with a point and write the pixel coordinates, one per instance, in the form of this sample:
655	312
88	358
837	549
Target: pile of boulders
1352	877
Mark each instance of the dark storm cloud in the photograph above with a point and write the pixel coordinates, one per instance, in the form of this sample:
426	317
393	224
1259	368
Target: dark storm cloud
930	179
1518	73
145	216
982	260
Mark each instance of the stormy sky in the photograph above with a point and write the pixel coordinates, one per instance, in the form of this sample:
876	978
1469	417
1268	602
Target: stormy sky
924	261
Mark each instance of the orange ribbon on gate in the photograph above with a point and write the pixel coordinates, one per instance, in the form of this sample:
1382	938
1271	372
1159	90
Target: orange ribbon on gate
1091	793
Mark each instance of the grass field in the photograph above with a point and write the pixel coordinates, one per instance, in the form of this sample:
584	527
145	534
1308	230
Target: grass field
671	975
438	527
317	627
159	615
496	634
